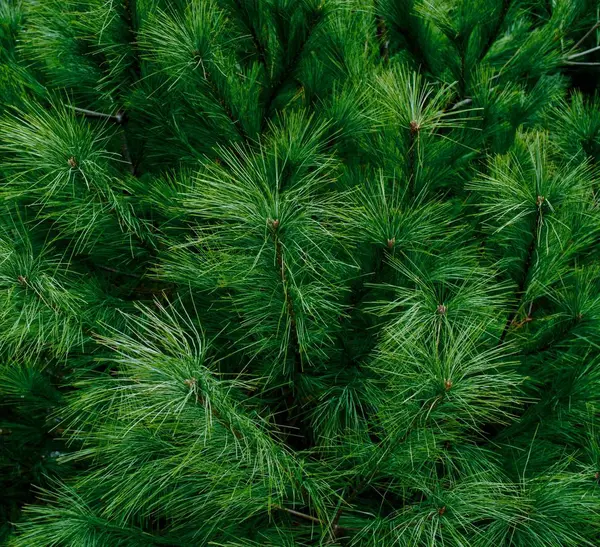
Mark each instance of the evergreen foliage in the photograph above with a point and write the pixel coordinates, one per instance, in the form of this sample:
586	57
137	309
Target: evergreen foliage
299	272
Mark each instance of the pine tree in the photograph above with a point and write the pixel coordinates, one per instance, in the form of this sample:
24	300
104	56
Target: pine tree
299	272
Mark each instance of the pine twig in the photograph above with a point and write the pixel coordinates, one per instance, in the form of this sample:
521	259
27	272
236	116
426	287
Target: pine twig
335	527
288	299
283	78
130	10
573	63
119	272
118	118
382	38
126	154
497	28
527	267
582	53
260	48
581	40
310	518
459	104
413	46
381	34
300	515
414	135
217	96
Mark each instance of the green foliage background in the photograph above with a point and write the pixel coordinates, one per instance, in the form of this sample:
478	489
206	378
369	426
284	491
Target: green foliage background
299	272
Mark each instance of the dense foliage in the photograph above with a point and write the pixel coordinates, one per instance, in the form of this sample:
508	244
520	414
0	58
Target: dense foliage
299	272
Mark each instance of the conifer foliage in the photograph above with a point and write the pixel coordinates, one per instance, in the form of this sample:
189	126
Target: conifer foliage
299	272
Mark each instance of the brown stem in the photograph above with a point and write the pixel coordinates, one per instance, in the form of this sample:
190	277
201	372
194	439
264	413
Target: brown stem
335	528
581	40
309	517
301	515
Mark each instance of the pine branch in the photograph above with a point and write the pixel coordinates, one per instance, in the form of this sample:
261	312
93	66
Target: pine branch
462	83
531	250
335	527
459	105
119	118
497	28
583	38
260	48
130	11
337	347
582	53
119	272
286	73
301	515
413	140
126	155
295	345
412	45
356	490
574	63
218	97
381	33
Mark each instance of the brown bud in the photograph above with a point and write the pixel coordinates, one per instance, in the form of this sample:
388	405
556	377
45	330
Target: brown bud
391	243
275	224
597	475
441	309
72	162
540	200
190	382
414	127
448	384
519	324
22	280
442	510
